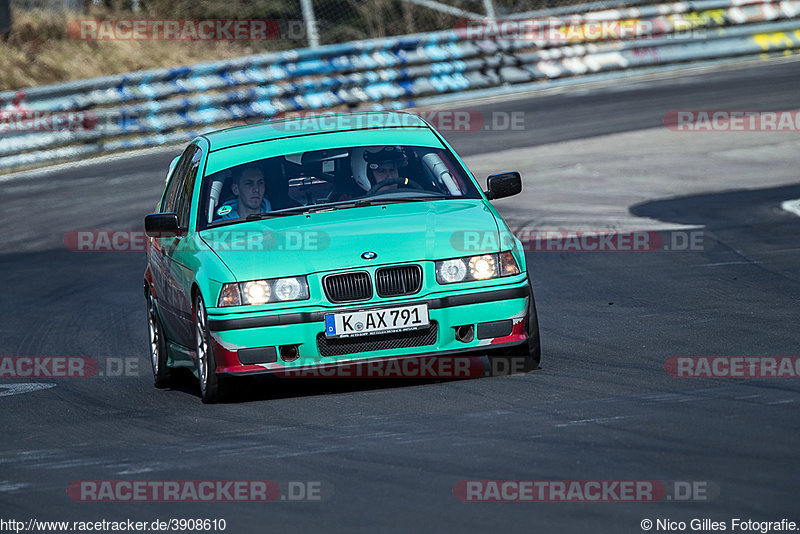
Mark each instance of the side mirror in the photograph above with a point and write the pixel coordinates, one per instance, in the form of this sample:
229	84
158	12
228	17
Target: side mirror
503	185
161	225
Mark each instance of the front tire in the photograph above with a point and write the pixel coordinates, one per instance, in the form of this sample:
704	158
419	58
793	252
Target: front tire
532	349
162	375
206	364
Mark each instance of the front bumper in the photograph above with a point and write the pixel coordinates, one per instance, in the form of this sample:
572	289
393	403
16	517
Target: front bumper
498	315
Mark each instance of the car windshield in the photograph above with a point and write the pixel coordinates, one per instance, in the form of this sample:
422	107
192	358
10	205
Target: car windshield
331	179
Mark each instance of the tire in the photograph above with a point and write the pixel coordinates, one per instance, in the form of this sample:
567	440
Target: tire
530	351
162	375
206	365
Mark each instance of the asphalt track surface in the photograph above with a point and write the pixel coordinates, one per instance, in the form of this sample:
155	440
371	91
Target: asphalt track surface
601	407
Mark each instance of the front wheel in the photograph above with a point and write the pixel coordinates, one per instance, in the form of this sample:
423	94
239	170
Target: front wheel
206	364
532	349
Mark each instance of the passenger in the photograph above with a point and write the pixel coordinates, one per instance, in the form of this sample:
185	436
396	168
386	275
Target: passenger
249	189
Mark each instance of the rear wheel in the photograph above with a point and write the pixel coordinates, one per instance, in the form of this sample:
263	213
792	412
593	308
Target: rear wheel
206	364
158	345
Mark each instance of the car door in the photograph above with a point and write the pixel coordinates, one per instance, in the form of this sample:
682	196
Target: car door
180	253
155	252
162	249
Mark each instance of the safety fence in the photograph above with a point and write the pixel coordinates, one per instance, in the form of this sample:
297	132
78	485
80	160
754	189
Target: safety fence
74	120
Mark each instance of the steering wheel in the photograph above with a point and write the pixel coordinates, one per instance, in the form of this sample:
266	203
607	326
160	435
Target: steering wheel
400	182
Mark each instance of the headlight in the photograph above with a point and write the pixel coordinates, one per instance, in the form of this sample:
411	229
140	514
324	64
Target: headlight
471	268
263	291
451	271
255	292
483	267
288	289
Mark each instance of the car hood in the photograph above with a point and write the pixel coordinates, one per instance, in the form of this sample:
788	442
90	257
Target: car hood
317	242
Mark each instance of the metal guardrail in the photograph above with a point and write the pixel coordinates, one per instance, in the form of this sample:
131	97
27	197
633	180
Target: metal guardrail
149	108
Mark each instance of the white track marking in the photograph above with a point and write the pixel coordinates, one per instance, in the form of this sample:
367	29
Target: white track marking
596	420
744	262
6	485
792	206
7	390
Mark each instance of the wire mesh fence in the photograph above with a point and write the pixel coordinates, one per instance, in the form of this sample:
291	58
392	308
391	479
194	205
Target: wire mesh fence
321	22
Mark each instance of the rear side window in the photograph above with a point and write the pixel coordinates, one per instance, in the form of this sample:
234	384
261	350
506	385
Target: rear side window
184	200
169	202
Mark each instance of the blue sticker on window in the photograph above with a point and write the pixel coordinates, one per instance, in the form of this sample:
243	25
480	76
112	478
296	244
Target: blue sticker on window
224	210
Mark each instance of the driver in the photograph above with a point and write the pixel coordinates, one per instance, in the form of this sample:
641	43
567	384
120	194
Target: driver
249	188
384	166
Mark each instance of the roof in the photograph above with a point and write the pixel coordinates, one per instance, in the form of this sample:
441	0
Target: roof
311	123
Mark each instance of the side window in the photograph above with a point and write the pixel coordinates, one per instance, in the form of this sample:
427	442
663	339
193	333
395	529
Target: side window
184	201
175	181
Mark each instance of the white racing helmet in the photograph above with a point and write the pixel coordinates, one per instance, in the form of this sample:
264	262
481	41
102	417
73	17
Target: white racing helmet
365	159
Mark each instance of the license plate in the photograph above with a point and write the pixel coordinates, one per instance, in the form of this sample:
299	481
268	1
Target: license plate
382	320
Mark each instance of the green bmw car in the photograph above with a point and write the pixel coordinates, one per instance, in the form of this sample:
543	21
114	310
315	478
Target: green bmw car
318	244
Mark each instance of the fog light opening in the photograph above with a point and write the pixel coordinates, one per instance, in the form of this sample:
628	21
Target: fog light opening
289	353
465	333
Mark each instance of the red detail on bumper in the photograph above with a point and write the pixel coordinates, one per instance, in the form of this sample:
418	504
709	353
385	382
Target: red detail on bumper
517	333
228	360
241	369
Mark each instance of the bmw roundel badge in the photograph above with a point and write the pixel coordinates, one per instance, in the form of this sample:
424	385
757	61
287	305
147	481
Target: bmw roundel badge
369	255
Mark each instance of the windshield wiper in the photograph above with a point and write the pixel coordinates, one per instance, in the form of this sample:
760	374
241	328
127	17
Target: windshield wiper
422	199
395	200
277	213
345	204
